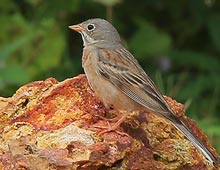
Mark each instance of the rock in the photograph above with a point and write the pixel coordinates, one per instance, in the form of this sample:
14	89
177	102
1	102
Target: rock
55	125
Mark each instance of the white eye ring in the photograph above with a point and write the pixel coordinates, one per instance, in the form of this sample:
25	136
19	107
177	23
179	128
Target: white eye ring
90	27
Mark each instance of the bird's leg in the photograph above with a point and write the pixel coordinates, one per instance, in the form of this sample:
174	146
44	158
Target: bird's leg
117	122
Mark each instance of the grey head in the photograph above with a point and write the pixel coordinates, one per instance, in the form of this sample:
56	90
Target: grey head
98	33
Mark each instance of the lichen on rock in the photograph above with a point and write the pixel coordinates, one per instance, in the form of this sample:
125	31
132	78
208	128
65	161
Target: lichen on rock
55	125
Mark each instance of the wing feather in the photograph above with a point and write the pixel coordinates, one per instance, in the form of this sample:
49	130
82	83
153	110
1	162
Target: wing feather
130	78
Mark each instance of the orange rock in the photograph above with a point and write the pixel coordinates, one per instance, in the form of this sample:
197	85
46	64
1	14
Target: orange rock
55	125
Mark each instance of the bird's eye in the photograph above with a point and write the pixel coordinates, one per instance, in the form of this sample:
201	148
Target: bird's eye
90	27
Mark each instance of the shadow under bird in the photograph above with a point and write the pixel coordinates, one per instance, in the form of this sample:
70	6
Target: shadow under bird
118	79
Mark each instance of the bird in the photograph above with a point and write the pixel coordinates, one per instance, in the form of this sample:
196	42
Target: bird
118	79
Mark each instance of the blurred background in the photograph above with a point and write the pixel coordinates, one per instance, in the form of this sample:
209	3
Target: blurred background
176	42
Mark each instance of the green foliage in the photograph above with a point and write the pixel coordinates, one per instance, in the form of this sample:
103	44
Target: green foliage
214	30
155	42
195	60
176	42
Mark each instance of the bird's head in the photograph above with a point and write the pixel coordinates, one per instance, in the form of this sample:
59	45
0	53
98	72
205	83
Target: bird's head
98	32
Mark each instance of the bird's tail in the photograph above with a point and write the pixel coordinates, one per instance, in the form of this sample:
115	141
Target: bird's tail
196	142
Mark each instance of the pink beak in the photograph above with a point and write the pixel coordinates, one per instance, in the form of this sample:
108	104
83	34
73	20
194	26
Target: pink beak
77	28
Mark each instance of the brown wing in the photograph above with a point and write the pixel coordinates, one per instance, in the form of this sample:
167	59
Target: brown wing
124	72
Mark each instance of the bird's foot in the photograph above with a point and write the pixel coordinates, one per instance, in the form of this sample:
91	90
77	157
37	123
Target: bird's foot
112	127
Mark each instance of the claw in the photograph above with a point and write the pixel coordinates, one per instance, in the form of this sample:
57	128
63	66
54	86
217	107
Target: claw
120	119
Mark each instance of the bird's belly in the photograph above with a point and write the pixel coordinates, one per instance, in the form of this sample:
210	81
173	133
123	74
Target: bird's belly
111	95
104	89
